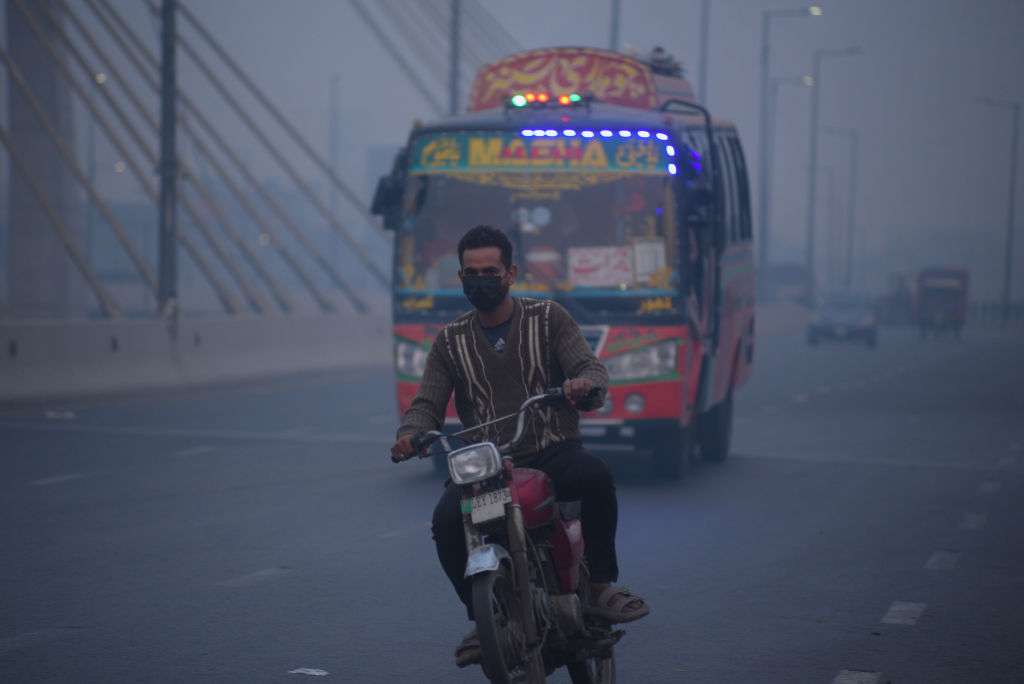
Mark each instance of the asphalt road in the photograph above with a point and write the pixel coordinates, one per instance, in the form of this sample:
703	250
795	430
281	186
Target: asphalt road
866	528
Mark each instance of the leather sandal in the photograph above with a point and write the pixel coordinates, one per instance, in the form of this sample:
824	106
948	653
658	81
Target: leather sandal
468	652
611	604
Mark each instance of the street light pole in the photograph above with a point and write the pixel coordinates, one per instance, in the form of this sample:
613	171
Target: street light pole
813	164
768	175
1008	264
851	200
766	17
702	67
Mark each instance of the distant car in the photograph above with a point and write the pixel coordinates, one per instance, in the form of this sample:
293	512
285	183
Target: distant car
842	316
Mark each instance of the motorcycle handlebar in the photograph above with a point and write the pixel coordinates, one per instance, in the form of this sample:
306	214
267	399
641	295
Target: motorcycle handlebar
421	441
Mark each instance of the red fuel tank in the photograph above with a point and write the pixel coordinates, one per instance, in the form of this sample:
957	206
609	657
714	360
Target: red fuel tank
536	496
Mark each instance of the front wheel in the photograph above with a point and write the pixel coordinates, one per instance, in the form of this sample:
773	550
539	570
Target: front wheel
714	431
501	634
673	451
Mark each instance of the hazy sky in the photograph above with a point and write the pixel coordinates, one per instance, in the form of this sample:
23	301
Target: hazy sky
934	162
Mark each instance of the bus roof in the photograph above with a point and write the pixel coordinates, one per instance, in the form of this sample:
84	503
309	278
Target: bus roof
609	76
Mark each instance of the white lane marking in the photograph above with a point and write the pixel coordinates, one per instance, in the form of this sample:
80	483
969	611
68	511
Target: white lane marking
861	460
59	415
856	677
408	530
195	451
198	433
989	487
800	398
903	613
295	431
58	479
255	577
18	641
314	671
942	560
973	521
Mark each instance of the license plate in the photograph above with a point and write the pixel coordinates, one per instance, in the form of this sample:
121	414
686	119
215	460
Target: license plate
490	505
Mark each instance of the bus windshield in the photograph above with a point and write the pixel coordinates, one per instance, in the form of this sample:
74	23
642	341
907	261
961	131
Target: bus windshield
604	240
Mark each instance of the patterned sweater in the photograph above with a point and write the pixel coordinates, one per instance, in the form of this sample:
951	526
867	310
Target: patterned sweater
544	347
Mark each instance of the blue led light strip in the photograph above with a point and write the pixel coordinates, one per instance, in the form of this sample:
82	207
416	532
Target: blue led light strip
670	150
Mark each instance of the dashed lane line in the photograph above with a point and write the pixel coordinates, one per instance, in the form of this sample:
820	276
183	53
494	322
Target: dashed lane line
857	677
256	577
199	433
195	451
872	460
973	521
989	487
59	479
406	531
942	560
903	613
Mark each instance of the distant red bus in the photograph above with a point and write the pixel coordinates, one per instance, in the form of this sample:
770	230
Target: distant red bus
628	205
941	299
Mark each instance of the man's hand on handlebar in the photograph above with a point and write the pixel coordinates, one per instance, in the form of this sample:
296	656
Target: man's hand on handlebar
402	450
576	389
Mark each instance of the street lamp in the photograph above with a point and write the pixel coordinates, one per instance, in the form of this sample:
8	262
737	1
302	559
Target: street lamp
1008	265
768	176
812	189
766	17
851	200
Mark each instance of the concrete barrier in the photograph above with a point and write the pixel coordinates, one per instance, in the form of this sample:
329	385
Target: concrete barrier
42	359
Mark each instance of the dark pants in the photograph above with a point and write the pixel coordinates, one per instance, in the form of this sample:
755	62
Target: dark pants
578	476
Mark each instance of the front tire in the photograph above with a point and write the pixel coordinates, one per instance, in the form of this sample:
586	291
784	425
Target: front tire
714	431
672	452
502	638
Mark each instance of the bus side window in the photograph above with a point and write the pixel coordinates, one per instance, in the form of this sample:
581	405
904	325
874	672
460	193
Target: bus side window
743	189
722	208
731	190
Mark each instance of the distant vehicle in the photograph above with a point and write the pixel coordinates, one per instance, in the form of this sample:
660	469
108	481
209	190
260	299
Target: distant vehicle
842	316
941	302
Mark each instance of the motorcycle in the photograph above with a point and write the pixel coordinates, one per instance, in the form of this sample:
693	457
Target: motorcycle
529	578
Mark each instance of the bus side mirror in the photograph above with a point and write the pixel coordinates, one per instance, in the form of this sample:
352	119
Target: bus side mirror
387	198
387	202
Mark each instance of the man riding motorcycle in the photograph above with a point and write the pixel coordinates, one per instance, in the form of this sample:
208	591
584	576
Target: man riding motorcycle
494	357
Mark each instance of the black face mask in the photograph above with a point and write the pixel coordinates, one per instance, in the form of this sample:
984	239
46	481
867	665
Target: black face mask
484	291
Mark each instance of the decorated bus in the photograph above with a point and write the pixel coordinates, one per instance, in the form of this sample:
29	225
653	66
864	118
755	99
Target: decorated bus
625	201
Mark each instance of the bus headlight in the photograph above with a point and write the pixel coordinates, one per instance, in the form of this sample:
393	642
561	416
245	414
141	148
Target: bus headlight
474	463
410	359
648	362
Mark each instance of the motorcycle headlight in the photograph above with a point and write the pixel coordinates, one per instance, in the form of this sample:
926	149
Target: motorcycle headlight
474	463
410	359
648	362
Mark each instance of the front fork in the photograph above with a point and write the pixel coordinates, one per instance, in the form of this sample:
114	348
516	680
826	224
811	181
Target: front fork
483	557
521	568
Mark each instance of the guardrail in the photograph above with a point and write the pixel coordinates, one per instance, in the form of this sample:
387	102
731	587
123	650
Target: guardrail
45	359
990	312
